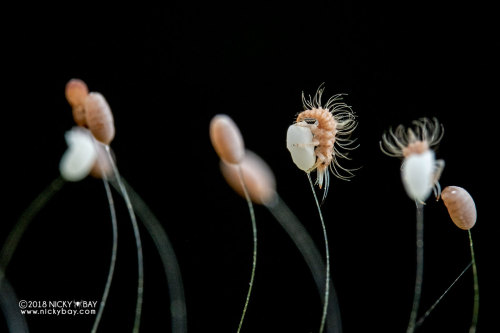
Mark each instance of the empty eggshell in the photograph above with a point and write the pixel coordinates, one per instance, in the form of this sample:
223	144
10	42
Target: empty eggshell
299	143
80	156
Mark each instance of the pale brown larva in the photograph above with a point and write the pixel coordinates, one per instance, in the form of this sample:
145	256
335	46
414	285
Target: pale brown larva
99	118
461	206
76	92
323	133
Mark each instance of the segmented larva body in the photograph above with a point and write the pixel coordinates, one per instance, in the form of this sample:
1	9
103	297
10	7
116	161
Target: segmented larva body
460	205
324	135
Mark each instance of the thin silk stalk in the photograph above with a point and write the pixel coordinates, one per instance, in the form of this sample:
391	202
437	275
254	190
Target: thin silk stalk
24	221
428	312
114	249
167	256
9	303
311	255
7	294
254	256
475	310
420	268
138	243
327	256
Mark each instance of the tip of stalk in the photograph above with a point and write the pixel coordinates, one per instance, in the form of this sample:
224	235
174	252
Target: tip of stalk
257	175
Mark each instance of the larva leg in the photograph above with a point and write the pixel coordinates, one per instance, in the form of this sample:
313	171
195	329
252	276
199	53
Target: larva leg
321	158
437	190
438	169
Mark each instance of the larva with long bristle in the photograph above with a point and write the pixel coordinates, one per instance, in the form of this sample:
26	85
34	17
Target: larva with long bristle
321	135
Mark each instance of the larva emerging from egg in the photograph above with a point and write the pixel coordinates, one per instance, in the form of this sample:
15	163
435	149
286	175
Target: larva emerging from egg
319	136
420	171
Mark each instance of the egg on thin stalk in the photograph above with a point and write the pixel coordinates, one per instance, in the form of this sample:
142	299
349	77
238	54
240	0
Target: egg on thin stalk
420	173
316	141
462	210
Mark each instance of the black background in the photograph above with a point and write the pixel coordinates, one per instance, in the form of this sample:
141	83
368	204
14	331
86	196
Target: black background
166	71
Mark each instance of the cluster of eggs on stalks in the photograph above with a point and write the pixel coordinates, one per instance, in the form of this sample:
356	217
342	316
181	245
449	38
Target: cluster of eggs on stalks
88	150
